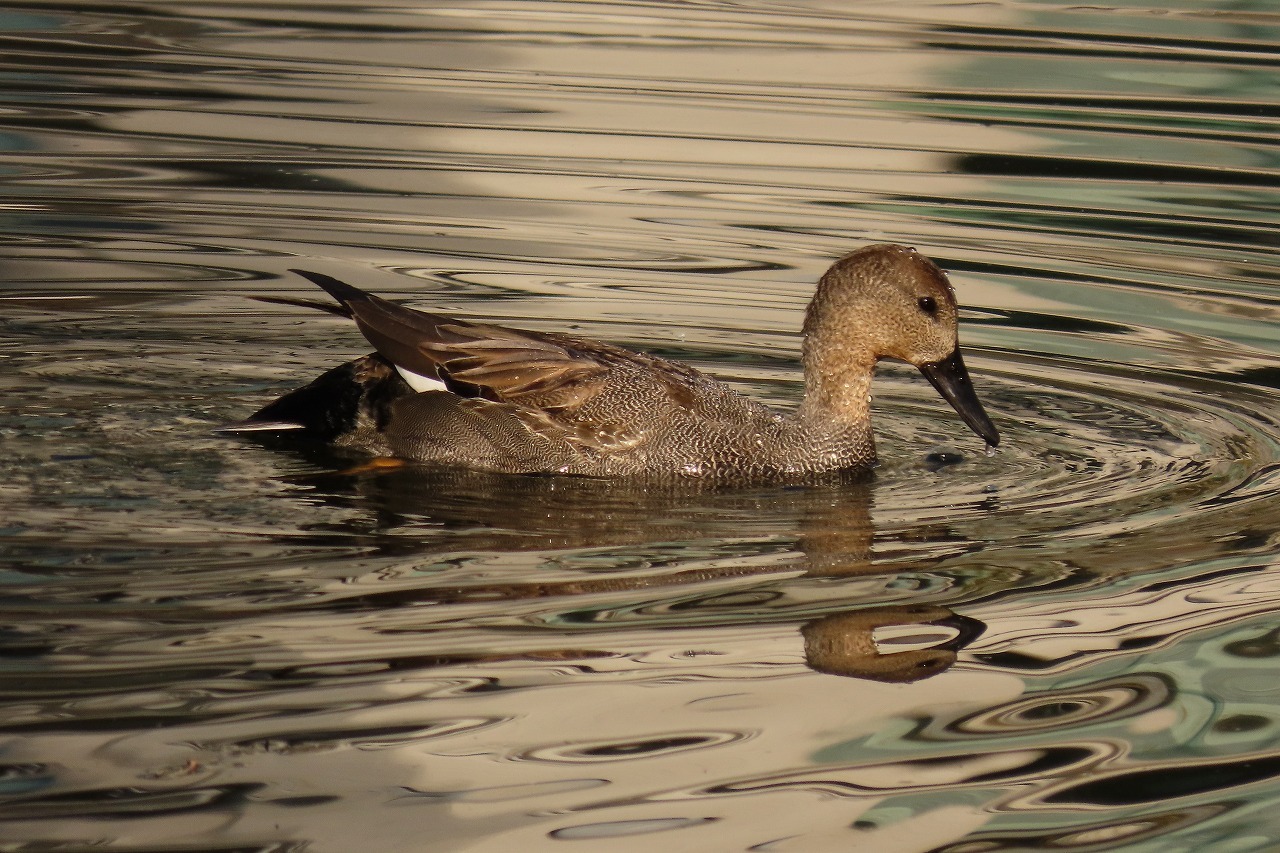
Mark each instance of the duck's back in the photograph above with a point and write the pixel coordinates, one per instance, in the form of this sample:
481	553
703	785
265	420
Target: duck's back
647	417
656	417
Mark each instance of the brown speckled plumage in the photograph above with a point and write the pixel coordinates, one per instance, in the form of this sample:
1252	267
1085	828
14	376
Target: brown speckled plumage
527	402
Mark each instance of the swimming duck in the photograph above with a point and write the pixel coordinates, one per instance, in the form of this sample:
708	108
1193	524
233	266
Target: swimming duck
449	391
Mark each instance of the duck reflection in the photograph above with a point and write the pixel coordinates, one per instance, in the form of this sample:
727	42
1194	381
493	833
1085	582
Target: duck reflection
827	522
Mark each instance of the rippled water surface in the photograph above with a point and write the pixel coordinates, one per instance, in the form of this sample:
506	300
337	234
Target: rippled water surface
212	645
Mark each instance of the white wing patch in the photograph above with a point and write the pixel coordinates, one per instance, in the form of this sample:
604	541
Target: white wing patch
418	382
259	426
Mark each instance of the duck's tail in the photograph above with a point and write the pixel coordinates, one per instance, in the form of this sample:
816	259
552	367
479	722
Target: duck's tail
344	293
339	290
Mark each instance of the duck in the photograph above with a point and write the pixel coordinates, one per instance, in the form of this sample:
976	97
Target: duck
446	391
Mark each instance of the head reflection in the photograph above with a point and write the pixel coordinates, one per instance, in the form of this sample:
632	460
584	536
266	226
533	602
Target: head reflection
847	643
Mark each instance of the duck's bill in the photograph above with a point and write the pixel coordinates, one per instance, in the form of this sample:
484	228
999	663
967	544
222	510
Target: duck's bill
951	379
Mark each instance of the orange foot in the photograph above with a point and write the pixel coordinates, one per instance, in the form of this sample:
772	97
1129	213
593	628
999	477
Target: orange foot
375	465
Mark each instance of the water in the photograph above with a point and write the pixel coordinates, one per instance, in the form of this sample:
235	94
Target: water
220	646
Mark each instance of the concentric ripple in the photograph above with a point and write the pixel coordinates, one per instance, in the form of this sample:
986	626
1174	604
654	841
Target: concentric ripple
1075	451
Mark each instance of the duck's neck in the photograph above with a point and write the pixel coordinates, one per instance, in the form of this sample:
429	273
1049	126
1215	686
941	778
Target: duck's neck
838	365
838	389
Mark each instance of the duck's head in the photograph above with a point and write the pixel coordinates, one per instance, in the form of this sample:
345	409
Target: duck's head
886	301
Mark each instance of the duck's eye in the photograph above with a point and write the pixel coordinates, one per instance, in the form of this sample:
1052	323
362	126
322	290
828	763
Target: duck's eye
928	305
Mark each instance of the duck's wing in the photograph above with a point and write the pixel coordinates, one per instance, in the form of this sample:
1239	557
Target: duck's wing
476	359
